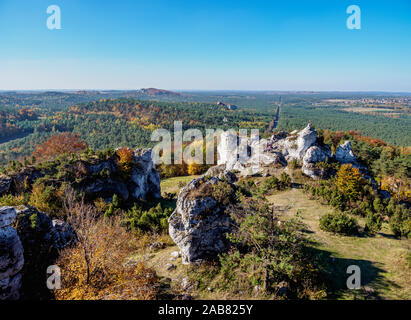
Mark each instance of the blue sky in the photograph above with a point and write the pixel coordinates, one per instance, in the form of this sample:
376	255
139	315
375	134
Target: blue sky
179	44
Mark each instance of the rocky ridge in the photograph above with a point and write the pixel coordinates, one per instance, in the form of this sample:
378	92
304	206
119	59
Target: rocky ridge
301	146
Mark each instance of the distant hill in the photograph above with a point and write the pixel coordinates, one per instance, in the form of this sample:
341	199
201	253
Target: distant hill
153	92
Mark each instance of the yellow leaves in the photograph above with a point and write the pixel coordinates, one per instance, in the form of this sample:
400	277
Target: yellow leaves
349	181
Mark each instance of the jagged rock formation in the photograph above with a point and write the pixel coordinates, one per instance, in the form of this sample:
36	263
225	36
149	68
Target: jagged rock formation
98	178
296	144
198	224
344	153
251	156
5	183
314	155
11	256
41	238
144	177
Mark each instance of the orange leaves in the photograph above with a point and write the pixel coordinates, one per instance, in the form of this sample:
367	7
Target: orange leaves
125	161
59	144
125	155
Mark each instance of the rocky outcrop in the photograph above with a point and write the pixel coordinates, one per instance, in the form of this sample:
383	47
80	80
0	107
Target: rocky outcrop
96	177
314	155
11	256
296	144
227	149
344	153
42	238
5	183
199	224
258	157
145	180
252	156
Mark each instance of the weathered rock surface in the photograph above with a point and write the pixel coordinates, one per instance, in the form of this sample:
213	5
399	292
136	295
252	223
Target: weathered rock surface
344	153
256	157
11	256
42	238
314	155
198	225
98	178
145	180
296	144
251	156
5	183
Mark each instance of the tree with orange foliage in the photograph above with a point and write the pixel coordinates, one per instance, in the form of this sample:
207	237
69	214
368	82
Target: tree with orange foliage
125	161
64	143
349	181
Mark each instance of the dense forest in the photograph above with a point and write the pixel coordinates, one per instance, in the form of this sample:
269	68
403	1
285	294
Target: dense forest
394	131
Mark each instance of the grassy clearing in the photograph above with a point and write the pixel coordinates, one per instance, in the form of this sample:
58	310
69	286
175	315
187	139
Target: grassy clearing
382	259
171	185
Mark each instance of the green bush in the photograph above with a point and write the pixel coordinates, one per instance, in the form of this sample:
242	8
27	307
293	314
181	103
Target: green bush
339	223
285	181
400	221
373	222
155	219
223	192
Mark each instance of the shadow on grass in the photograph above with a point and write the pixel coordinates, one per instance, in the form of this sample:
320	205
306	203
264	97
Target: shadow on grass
334	272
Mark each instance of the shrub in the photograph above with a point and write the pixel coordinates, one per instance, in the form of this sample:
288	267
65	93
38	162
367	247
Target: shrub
46	199
271	183
155	219
339	223
293	164
285	181
13	201
400	221
373	222
113	207
222	192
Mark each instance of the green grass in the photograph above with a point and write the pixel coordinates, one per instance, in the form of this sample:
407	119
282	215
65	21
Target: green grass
382	259
172	184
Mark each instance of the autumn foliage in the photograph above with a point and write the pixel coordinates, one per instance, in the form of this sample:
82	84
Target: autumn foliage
97	267
349	181
64	143
125	161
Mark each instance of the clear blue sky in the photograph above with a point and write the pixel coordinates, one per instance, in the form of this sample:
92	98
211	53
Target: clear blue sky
196	44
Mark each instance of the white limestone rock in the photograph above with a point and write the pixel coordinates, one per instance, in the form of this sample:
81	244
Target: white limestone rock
11	256
344	153
198	225
7	216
